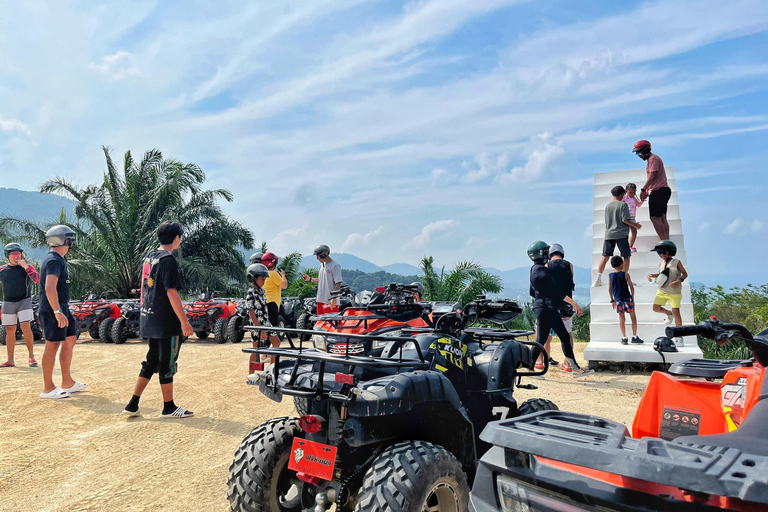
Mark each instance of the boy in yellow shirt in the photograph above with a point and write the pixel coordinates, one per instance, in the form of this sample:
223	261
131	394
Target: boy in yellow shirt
274	285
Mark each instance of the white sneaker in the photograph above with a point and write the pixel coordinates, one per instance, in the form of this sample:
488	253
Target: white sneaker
679	342
668	319
599	280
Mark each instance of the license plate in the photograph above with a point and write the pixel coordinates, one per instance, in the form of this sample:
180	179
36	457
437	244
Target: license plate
313	459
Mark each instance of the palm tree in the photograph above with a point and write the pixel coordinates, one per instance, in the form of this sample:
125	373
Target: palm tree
117	223
464	283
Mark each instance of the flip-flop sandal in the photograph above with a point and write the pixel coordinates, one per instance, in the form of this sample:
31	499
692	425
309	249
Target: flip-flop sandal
565	368
582	373
76	388
32	363
7	365
538	366
55	394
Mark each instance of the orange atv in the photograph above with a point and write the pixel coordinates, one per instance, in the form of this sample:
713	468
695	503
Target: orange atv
697	444
398	303
96	314
208	315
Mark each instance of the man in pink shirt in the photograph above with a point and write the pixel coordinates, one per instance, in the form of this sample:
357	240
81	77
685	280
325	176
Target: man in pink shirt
655	189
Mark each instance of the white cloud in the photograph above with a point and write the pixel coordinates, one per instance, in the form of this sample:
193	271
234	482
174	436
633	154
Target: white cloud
13	126
357	239
541	158
423	238
117	66
704	227
756	226
442	178
588	231
734	226
289	240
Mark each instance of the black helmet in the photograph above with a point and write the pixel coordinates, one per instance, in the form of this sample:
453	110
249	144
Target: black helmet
556	249
666	245
538	251
322	250
256	257
664	344
419	288
12	247
60	235
256	270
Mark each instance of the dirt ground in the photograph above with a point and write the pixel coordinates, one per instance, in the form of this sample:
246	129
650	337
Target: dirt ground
82	454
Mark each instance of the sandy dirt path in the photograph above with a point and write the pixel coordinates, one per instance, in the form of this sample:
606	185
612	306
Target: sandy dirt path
81	454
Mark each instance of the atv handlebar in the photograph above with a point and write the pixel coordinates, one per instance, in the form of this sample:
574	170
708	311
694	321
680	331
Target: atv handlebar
713	329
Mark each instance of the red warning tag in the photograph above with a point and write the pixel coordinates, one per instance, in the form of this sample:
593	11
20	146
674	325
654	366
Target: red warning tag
314	459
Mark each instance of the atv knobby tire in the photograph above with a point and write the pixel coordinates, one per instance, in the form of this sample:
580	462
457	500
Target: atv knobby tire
302	405
235	332
119	334
259	472
220	330
105	330
201	335
535	405
93	331
304	323
414	476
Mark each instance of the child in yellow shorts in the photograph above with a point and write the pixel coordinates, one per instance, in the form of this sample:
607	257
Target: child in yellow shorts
670	281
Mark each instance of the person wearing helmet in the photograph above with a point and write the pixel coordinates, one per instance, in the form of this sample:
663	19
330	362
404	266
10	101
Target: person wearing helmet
562	272
256	257
258	311
548	300
17	276
617	223
418	295
274	286
55	318
328	279
163	321
670	282
656	188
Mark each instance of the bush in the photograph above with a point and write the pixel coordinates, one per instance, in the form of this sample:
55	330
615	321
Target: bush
581	326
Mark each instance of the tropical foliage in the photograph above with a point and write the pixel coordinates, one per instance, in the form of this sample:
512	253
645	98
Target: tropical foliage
464	283
116	223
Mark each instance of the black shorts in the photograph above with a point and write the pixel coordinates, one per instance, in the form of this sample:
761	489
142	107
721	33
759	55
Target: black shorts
51	328
658	200
162	358
273	310
610	245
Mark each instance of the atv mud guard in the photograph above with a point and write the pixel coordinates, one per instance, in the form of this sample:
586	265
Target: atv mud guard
606	446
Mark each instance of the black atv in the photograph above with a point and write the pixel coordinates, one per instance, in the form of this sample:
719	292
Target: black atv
241	319
396	432
289	310
127	326
37	330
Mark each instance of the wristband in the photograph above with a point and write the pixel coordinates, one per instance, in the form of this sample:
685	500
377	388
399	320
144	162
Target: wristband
642	190
58	311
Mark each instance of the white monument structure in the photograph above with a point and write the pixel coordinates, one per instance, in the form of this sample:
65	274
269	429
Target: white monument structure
605	344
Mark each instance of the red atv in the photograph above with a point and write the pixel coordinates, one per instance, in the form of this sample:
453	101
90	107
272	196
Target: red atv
695	445
398	303
208	315
96	314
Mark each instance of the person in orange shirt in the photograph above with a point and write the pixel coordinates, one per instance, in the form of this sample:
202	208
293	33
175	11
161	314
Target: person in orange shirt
274	286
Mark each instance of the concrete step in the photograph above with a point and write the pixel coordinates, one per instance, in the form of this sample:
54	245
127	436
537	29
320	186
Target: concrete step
612	351
644	294
604	189
637	176
608	331
643	214
675	227
642	262
602	312
646	239
602	200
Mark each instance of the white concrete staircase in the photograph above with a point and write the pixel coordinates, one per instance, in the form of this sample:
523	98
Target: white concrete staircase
604	344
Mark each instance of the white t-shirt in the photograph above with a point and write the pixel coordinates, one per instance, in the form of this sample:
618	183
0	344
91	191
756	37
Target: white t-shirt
328	276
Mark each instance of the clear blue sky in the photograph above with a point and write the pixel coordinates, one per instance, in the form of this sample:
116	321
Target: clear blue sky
461	129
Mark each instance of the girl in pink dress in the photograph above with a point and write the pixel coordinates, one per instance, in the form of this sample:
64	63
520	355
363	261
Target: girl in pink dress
633	202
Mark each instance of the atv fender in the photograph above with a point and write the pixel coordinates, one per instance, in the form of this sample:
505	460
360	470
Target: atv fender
501	368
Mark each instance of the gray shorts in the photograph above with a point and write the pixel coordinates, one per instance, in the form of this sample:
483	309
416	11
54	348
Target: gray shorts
17	312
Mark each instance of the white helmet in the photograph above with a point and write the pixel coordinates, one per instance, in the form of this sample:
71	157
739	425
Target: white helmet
60	235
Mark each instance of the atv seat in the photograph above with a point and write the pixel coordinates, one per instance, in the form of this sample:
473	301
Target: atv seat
707	368
751	437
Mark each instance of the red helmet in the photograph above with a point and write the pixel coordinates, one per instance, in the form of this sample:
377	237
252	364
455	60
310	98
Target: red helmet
641	146
269	260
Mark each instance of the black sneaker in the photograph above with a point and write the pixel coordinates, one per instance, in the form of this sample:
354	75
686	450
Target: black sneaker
552	362
180	412
636	339
624	341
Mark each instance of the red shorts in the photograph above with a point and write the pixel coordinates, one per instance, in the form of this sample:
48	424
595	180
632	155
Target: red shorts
625	306
323	309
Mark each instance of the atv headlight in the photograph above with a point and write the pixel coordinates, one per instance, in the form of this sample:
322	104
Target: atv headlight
390	334
319	342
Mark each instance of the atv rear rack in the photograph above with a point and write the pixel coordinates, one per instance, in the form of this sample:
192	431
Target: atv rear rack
312	355
603	445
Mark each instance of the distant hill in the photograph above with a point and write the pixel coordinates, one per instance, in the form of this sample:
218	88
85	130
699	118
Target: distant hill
32	206
347	261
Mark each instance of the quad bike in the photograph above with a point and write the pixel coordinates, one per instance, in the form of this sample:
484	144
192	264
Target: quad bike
127	325
37	330
208	315
289	310
96	314
395	432
386	315
697	445
241	319
306	320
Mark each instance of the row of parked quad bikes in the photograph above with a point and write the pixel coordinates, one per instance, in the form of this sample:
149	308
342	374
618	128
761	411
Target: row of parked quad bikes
409	406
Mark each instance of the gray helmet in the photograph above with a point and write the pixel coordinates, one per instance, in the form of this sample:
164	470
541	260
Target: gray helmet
322	250
59	235
12	247
664	344
256	257
419	287
556	249
256	270
538	251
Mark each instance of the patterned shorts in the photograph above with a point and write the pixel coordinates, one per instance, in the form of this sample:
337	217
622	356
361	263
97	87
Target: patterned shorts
625	306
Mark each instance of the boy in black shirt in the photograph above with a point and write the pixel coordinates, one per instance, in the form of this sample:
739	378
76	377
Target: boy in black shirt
162	321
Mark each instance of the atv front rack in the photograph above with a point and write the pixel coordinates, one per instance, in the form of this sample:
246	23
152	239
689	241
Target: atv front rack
348	361
596	443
